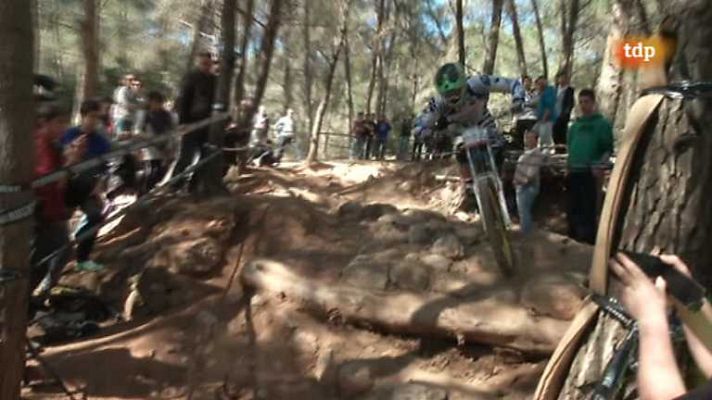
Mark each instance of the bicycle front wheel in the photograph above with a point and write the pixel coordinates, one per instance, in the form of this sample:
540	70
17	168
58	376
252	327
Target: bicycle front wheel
496	228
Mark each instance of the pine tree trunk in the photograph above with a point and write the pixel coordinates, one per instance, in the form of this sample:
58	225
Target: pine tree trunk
312	155
349	84
668	196
308	78
461	54
36	24
540	34
521	58
568	26
610	82
493	38
16	166
90	49
266	52
376	59
198	29
246	31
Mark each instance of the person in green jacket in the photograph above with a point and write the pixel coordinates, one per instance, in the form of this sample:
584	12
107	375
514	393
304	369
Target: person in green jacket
590	144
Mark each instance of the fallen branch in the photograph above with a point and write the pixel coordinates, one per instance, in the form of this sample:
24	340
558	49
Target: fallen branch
493	320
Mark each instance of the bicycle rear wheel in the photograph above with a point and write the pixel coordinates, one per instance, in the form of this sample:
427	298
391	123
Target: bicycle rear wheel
496	228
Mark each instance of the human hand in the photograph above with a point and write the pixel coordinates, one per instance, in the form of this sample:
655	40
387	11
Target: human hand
74	153
645	301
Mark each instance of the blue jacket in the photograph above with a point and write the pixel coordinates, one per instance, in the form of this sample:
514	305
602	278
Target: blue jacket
547	101
97	144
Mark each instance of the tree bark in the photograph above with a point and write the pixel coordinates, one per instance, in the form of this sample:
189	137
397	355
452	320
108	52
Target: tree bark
668	197
493	38
540	34
568	26
266	52
198	29
461	55
16	166
308	78
521	58
328	81
246	32
36	24
90	49
349	84
376	52
610	82
414	313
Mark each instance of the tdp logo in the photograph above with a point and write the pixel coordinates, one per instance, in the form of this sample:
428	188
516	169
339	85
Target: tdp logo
640	52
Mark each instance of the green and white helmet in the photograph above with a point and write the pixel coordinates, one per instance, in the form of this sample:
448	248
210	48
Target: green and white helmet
451	81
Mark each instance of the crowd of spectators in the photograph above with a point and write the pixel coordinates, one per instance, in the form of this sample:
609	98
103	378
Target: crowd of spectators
370	137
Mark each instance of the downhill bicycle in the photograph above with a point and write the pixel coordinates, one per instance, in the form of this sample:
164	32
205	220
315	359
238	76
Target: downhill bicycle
488	191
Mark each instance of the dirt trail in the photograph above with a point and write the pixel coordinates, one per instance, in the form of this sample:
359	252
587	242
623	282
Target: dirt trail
193	330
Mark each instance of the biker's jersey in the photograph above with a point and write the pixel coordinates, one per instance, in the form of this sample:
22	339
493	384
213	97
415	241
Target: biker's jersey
472	110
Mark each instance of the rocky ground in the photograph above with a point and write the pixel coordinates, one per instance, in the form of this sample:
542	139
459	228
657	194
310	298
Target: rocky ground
340	281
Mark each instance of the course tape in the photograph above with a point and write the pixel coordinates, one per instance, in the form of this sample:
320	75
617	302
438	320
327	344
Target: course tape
18	214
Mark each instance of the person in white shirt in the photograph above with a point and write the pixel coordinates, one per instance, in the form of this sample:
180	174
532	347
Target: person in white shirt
286	129
260	127
526	180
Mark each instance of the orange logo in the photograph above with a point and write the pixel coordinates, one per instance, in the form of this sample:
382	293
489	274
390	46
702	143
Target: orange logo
640	52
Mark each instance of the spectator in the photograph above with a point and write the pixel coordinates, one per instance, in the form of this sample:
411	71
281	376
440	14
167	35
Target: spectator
125	105
286	128
526	180
525	118
590	142
370	137
382	129
260	127
359	131
406	126
83	190
51	228
196	103
659	376
564	105
107	104
546	113
155	121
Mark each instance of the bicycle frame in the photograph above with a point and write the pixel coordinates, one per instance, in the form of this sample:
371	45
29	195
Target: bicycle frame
483	168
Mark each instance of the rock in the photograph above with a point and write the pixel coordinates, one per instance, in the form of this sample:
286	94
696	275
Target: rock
409	275
349	209
366	272
473	270
419	234
414	391
438	262
449	246
423	215
439	227
192	257
354	379
375	211
553	296
471	234
387	233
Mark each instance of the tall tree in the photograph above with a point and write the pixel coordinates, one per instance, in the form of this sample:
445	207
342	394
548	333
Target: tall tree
308	79
376	51
347	75
540	35
90	49
666	200
521	58
493	37
569	22
16	162
200	26
266	52
246	32
312	155
461	55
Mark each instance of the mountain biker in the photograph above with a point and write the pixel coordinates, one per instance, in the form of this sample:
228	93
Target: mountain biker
463	101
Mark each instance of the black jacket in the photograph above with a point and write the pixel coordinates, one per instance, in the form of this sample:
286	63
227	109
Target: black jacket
567	105
196	97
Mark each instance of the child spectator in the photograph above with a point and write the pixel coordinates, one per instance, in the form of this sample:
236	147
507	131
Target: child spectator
526	180
286	129
83	190
155	121
51	229
382	129
125	105
546	112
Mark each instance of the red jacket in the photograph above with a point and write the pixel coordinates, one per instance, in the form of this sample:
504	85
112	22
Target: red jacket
48	158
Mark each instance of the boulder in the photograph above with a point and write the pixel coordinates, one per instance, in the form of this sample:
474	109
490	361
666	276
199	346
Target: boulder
438	262
349	209
192	257
449	246
553	296
470	234
419	234
354	379
409	275
374	211
366	272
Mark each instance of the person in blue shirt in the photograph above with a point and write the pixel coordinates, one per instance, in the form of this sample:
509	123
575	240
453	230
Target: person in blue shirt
546	113
83	190
383	128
